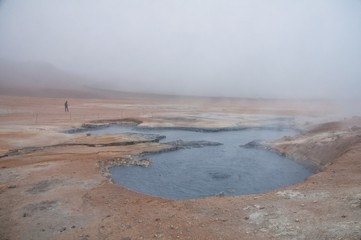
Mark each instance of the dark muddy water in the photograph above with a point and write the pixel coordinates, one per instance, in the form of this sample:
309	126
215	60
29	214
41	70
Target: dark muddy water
201	172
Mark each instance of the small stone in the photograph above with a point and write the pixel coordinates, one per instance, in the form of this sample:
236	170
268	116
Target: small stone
302	205
246	218
73	226
259	206
343	216
25	215
12	186
63	229
220	194
297	220
158	235
247	208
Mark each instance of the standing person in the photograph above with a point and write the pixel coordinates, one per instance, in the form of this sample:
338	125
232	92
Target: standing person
66	106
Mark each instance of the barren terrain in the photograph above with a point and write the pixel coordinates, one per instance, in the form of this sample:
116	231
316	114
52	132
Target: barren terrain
54	185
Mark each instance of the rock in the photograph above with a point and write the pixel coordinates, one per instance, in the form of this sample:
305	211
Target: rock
88	134
289	194
356	201
142	163
180	144
258	206
12	186
220	194
252	144
147	136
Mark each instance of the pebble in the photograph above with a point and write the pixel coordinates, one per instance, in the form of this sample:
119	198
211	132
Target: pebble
12	186
259	206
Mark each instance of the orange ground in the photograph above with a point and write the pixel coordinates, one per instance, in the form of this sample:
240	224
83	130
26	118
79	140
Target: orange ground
52	185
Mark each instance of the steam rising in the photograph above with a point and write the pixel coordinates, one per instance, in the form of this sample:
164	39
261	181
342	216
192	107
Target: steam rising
258	48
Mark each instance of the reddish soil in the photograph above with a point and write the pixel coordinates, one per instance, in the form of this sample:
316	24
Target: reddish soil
53	185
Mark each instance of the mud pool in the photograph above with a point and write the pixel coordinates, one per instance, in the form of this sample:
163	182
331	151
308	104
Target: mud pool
227	169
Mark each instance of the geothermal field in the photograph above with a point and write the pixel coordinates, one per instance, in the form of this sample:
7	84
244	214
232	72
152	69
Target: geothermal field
106	170
180	119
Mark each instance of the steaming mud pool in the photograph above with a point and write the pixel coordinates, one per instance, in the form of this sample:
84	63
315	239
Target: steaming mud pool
197	172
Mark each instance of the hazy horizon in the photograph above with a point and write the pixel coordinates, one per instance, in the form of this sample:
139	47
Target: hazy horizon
250	49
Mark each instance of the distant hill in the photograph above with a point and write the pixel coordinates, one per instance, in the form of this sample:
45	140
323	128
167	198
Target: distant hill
36	76
45	80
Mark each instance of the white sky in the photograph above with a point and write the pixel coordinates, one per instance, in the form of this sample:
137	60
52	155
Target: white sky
254	48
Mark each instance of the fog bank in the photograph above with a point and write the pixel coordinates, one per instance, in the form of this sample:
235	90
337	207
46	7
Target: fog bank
259	48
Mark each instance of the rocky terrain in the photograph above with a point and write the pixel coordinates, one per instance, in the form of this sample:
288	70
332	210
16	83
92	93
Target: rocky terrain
54	185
